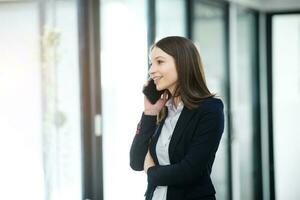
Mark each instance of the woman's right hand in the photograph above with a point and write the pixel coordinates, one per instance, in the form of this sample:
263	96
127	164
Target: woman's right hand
154	109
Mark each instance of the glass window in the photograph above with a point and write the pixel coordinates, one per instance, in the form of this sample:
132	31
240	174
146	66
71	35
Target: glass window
286	104
40	140
61	101
170	23
20	117
124	63
244	104
209	34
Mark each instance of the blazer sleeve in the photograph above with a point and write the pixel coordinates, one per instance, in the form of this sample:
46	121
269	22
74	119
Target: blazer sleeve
202	149
139	146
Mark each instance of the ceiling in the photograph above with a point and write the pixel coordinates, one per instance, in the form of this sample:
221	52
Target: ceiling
271	5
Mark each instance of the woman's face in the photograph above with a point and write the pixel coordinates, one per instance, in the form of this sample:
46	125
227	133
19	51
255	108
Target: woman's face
163	70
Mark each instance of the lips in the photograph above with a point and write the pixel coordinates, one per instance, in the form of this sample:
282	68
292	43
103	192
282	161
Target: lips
157	79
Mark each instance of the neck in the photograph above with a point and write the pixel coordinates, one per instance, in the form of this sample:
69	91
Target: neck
176	101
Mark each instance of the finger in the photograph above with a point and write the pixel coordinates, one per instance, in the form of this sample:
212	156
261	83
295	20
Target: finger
147	82
164	95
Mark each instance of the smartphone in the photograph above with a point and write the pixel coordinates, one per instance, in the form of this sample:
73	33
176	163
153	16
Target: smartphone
151	93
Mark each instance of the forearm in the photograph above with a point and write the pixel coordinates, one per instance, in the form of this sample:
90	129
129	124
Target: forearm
140	142
174	174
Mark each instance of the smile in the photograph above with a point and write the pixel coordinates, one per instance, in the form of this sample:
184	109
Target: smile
157	79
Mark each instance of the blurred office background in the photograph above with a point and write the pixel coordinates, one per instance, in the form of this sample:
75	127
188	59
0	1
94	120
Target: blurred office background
71	76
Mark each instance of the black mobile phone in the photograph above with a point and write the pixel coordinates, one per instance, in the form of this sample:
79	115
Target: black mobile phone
151	93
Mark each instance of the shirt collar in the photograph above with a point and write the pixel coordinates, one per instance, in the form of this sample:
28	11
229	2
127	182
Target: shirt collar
170	106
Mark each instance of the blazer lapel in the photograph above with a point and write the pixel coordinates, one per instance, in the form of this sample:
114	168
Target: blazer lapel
181	124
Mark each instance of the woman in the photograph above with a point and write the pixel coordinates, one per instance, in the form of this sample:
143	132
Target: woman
177	137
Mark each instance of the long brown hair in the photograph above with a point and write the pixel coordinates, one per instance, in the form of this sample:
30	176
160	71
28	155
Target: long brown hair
191	84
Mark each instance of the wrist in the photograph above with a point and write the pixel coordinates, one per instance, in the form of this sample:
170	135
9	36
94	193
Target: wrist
150	112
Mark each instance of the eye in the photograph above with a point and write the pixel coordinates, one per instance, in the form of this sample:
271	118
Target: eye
160	61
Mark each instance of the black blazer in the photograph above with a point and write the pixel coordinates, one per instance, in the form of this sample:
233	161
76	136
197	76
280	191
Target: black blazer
192	150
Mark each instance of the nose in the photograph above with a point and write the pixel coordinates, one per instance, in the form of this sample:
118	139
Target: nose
151	71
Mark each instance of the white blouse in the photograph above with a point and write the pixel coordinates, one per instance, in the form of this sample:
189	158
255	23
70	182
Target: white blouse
162	146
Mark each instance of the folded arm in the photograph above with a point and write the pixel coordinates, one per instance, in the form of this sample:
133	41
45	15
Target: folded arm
203	147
